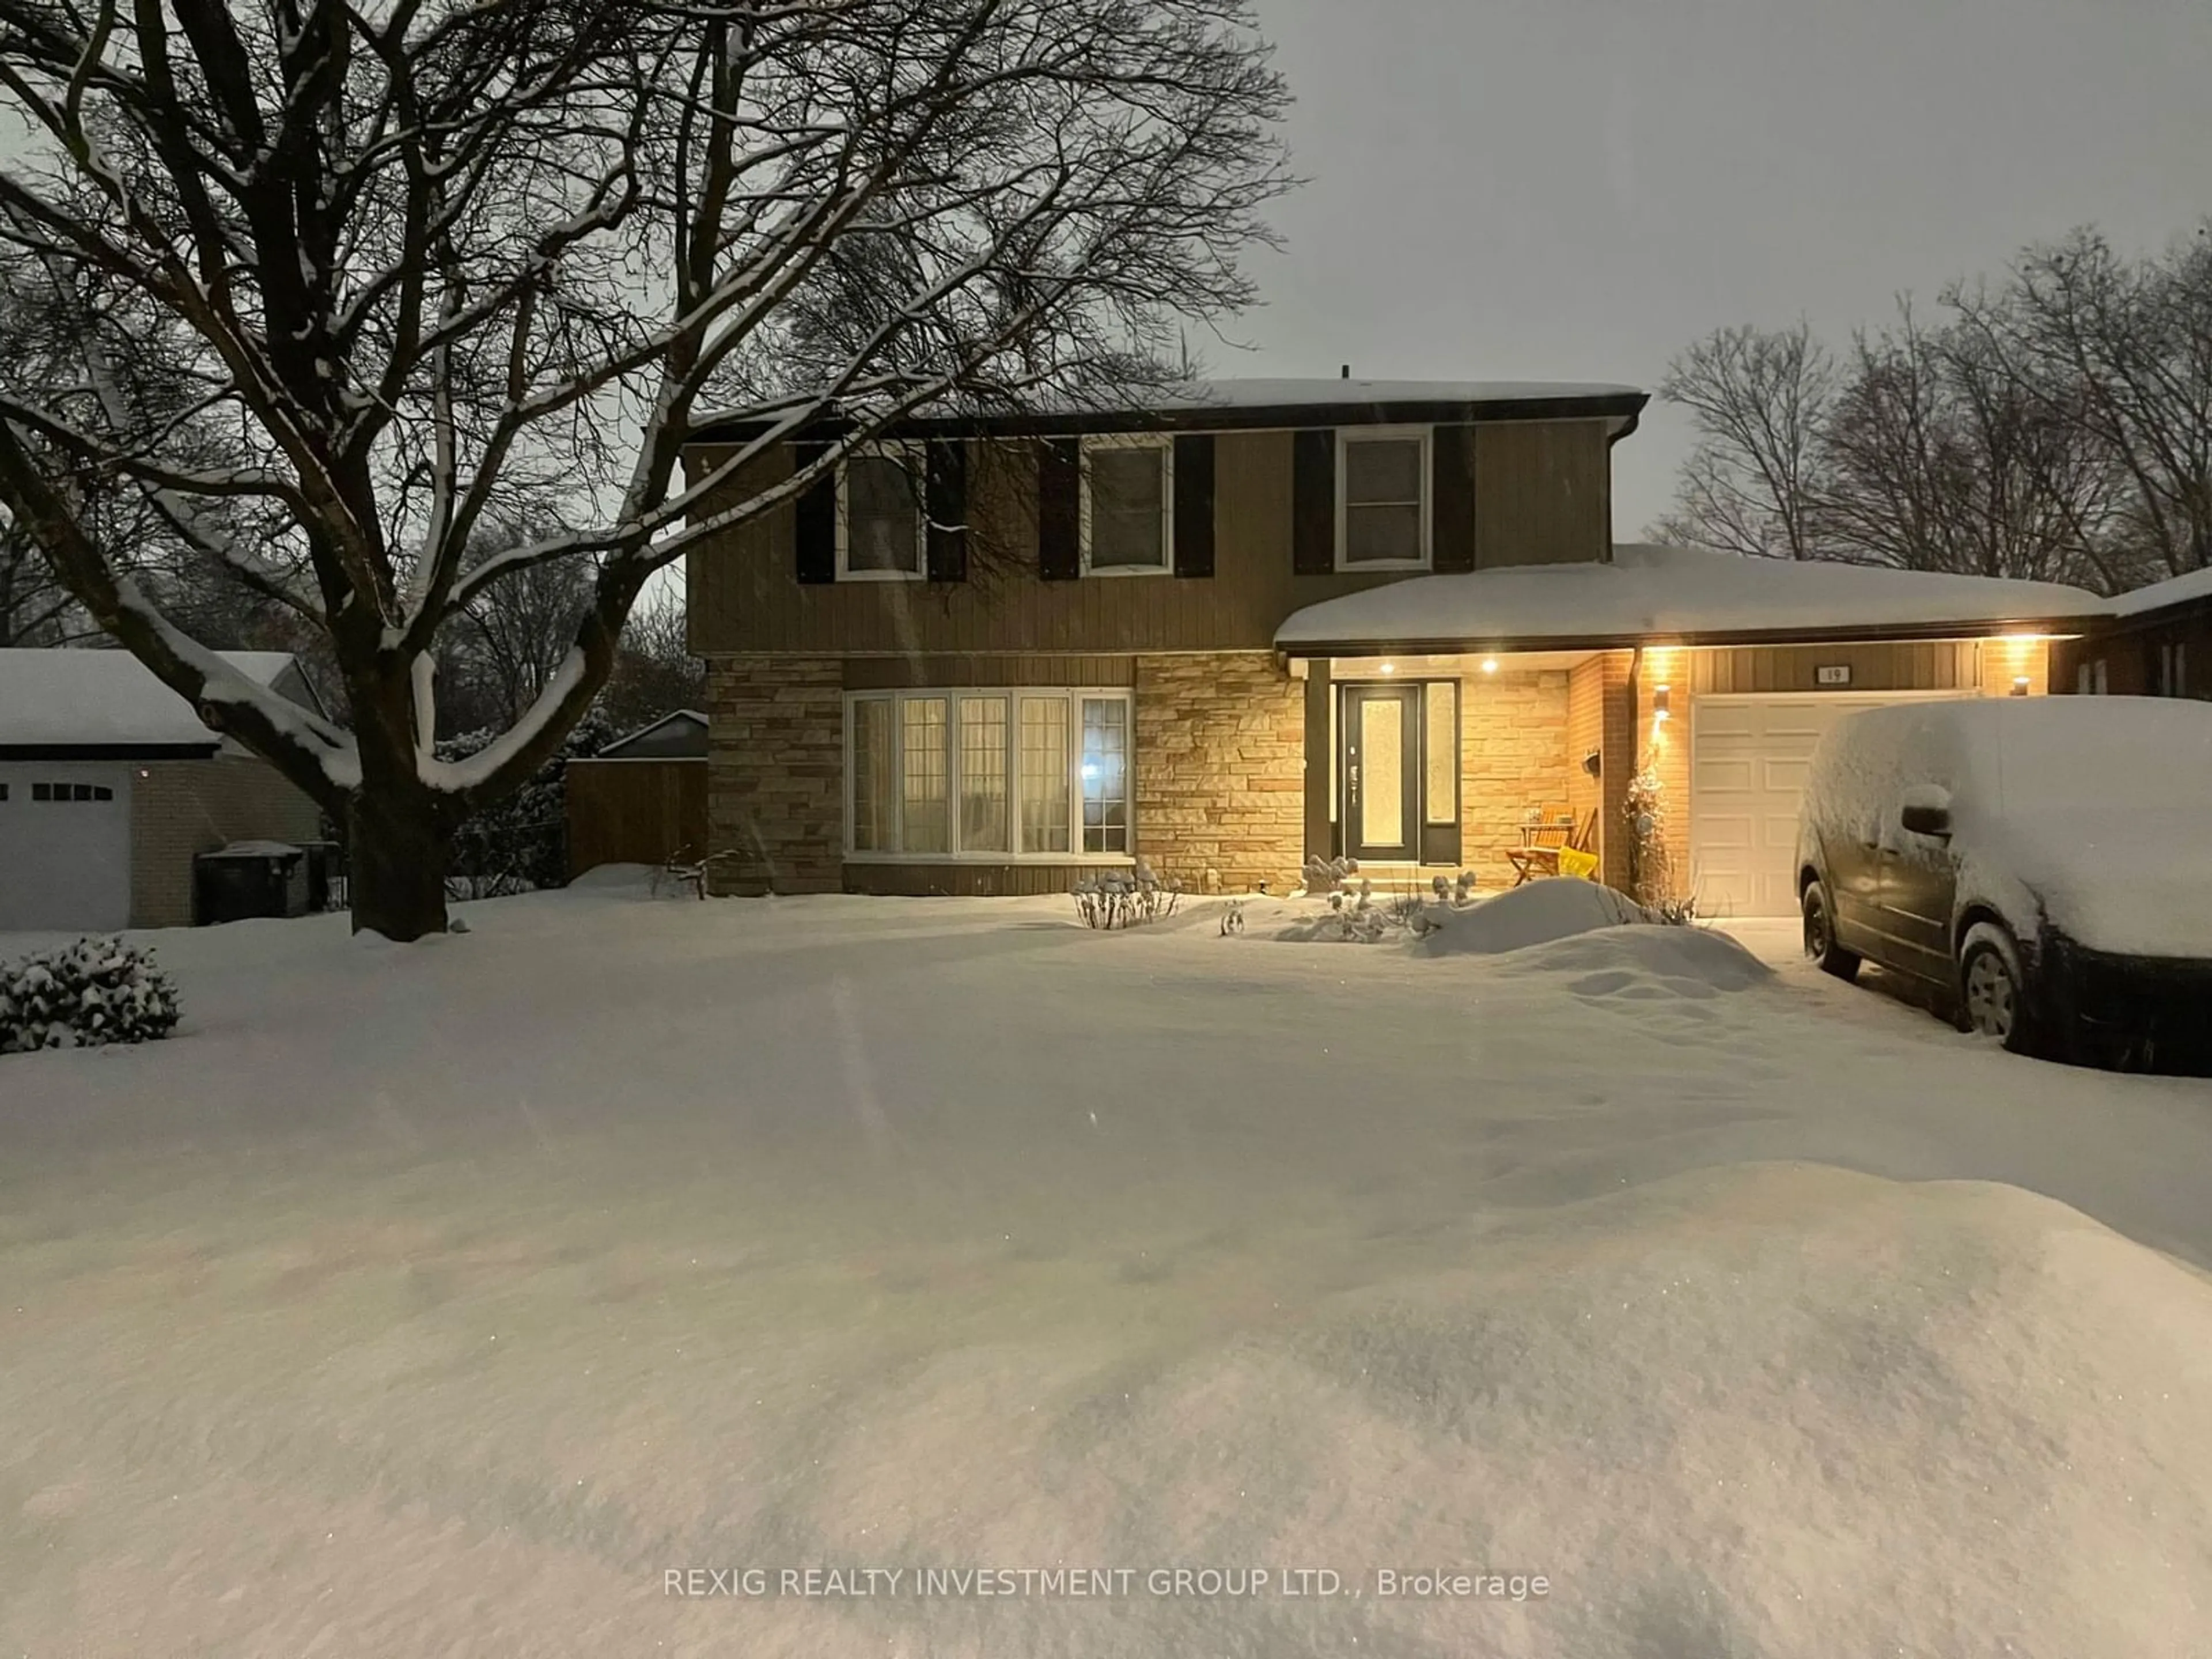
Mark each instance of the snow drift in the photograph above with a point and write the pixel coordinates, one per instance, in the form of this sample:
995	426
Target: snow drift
619	1238
1771	1410
1534	914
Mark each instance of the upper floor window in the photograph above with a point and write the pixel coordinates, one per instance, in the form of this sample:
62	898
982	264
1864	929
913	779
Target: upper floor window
1382	499
1128	506
880	534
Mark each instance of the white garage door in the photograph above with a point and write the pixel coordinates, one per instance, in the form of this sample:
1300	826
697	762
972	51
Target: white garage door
1748	759
65	847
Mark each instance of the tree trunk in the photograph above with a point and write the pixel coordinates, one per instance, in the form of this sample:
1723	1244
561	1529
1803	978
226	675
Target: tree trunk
398	850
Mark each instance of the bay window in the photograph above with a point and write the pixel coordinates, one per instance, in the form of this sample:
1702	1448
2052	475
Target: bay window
988	774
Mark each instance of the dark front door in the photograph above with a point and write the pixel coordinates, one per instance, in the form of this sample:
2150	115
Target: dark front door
1381	761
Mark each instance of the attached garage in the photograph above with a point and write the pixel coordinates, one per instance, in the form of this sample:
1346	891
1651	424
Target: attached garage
1747	763
110	786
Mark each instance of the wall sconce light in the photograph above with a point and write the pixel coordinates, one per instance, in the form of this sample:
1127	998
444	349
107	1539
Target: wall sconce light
2020	685
1594	762
1660	698
1490	664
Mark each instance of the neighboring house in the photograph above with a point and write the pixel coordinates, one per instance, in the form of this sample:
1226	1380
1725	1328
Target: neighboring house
1266	620
2158	643
110	785
642	797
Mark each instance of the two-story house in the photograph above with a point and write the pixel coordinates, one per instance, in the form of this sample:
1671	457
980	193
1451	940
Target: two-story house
1259	621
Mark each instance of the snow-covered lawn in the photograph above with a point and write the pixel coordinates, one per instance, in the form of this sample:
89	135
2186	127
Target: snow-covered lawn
444	1299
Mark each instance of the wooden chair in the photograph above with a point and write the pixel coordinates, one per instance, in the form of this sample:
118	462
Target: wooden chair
1541	844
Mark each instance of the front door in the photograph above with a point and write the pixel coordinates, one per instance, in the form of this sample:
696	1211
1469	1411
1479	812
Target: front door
1382	760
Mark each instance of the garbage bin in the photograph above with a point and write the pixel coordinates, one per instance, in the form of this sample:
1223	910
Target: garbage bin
249	878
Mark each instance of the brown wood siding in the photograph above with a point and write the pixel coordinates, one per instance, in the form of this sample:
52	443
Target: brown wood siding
922	673
745	596
634	811
964	880
1912	666
2130	652
1543	493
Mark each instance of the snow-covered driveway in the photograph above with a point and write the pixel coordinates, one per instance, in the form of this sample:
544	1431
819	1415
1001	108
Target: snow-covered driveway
446	1299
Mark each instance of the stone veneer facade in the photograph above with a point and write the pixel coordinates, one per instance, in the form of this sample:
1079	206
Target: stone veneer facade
1220	770
775	774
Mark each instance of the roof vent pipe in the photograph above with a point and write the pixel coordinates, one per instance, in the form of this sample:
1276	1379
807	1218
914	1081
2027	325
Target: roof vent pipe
1346	372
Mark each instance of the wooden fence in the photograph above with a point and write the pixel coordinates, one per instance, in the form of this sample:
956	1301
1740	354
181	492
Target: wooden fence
634	811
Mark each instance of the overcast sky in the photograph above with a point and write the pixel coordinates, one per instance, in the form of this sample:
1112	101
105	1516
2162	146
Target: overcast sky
1575	189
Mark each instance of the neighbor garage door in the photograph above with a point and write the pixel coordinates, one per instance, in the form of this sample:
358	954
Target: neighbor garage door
65	847
1748	758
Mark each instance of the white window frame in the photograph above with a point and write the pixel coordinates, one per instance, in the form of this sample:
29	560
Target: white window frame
911	456
1347	437
1165	445
1071	696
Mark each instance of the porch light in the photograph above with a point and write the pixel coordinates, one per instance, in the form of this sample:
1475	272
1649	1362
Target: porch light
1389	668
1660	699
2020	685
1490	664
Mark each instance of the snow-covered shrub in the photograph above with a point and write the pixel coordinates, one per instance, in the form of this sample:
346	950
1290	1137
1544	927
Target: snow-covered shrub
1119	899
1651	865
93	992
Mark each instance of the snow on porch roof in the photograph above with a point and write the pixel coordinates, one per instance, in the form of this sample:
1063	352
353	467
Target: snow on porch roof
1682	593
90	698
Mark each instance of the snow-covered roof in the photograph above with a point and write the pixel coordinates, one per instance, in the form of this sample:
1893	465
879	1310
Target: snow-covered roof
1310	393
679	734
2175	590
1673	593
1246	404
107	699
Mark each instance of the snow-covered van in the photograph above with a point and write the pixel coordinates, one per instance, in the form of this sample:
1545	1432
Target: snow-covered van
2045	863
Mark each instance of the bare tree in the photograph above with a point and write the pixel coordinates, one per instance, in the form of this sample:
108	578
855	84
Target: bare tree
655	671
2126	350
1758	399
1936	459
421	261
519	630
35	608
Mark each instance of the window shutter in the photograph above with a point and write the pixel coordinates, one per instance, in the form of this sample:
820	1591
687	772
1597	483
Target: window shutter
946	499
1193	505
814	537
1451	499
1313	502
1060	509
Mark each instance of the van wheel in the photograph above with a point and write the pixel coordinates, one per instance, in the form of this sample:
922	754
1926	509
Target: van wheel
1992	990
1820	935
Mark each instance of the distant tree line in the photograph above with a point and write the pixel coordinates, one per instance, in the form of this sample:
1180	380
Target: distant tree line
2055	425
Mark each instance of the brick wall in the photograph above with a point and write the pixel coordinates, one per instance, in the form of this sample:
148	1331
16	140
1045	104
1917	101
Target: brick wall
1220	769
1598	718
1664	747
182	808
776	768
1513	756
2004	661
